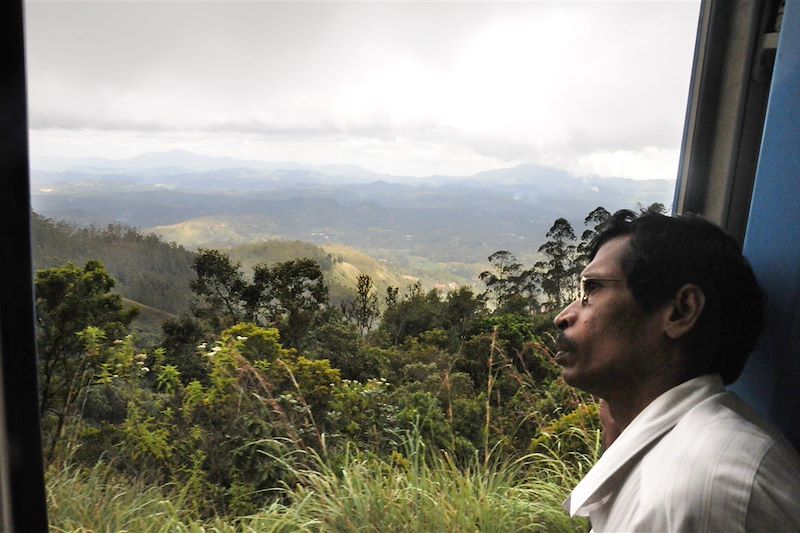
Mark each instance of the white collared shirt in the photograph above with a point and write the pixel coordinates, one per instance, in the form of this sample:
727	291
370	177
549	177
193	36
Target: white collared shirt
695	459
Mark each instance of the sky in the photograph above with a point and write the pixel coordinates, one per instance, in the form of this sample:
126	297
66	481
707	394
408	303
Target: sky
417	89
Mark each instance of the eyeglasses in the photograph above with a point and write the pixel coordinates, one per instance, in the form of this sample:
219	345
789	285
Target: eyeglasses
583	294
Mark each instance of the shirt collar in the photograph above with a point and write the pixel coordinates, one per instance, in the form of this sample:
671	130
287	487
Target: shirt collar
650	424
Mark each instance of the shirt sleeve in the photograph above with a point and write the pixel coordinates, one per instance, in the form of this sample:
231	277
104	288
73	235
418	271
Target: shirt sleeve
774	504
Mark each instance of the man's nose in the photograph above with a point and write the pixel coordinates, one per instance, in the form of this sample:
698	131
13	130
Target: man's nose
566	317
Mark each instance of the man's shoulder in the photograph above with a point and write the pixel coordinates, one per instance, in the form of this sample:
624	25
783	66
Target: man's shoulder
720	461
723	430
697	459
726	420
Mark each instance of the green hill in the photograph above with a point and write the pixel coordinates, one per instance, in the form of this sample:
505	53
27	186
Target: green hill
147	269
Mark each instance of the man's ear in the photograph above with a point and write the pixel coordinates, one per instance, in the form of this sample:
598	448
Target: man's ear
686	307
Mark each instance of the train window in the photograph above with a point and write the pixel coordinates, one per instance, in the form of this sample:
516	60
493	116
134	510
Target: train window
283	245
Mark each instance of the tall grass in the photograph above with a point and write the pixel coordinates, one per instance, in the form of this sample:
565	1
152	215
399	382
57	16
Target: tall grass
417	491
99	500
428	492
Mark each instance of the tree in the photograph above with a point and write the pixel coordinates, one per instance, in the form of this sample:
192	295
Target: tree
289	295
179	340
391	296
558	270
220	288
77	318
462	309
339	340
655	207
414	313
593	221
512	285
362	310
286	295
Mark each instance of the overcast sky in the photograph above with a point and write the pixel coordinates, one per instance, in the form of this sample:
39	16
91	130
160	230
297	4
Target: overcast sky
595	88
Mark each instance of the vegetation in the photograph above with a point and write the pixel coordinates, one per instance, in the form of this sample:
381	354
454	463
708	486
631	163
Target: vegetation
265	407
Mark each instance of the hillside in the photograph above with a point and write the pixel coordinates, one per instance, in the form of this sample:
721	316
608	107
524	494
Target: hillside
155	275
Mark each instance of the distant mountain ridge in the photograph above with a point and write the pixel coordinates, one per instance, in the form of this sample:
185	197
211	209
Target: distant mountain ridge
181	161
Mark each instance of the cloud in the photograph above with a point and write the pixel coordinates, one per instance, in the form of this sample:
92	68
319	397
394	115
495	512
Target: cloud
577	84
648	163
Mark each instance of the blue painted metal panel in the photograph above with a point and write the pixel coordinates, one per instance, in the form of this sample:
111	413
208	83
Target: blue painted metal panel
771	381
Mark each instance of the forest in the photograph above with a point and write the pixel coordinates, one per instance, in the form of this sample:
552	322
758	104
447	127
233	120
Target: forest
264	404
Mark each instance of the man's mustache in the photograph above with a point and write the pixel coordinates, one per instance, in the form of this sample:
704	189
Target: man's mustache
564	344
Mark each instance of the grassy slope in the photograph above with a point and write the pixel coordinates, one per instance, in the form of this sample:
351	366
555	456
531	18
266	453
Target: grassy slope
147	324
218	231
354	263
410	494
342	265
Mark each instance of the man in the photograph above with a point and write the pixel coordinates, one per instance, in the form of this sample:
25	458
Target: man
667	313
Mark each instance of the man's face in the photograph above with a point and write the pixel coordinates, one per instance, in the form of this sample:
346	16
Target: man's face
607	343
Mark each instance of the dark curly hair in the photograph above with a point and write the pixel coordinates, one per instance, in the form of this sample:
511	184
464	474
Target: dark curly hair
666	253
